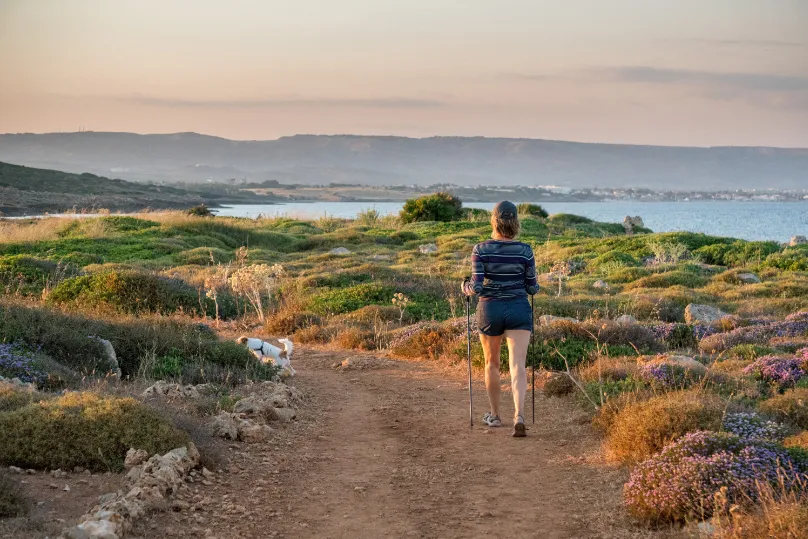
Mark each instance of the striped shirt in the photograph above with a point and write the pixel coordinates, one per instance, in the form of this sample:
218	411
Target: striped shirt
503	270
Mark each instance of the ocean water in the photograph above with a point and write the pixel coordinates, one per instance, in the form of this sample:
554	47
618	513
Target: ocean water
777	221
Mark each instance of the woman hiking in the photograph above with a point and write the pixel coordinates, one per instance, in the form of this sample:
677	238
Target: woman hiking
503	274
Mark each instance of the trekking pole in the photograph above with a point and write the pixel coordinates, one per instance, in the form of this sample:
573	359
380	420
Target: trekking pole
468	349
533	358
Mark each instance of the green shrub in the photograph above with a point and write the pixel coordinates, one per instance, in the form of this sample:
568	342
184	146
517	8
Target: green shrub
626	275
287	322
344	300
749	352
792	259
200	211
534	210
643	428
12	397
425	340
204	256
124	223
737	253
356	338
26	275
614	259
438	207
134	292
567	219
668	279
83	429
791	406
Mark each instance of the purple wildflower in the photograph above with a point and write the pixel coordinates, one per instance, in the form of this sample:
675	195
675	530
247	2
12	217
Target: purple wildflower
751	426
17	362
782	371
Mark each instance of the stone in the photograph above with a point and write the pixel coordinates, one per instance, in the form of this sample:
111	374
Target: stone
706	529
381	257
135	457
285	415
110	357
684	362
548	319
250	432
748	278
703	314
428	249
164	389
58	473
601	285
225	426
626	320
630	223
341	251
14	469
798	240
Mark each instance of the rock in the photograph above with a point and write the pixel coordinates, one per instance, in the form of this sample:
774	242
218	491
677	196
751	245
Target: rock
285	415
250	432
704	314
341	251
630	223
76	533
601	285
110	357
58	473
685	362
225	426
548	319
135	457
66	488
748	278
798	240
428	249
381	257
14	469
554	384
164	389
705	529
626	320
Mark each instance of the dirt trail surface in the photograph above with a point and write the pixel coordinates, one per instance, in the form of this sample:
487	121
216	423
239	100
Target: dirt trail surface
385	450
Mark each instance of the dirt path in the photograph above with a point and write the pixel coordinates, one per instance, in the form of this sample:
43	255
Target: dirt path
386	452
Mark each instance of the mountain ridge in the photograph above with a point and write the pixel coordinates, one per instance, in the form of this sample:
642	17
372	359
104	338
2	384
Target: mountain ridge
395	160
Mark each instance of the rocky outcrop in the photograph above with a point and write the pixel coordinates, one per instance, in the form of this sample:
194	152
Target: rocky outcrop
341	251
631	223
601	285
166	389
428	249
703	314
798	240
148	486
748	278
548	319
626	320
685	362
248	422
110	358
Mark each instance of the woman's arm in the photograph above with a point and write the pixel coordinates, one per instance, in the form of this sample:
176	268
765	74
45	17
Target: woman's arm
475	285
531	283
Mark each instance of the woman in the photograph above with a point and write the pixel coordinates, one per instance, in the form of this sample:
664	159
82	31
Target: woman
503	274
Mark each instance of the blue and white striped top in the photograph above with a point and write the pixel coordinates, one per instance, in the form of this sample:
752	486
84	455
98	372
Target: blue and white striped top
503	270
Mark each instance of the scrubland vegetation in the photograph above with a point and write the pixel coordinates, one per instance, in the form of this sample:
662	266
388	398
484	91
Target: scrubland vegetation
709	414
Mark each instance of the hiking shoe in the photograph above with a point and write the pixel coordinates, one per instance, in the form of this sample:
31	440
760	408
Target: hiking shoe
519	429
492	420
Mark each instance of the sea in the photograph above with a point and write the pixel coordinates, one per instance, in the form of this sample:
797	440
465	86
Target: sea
755	220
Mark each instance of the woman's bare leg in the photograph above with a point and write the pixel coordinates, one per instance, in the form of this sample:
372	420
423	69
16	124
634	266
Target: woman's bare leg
518	341
491	347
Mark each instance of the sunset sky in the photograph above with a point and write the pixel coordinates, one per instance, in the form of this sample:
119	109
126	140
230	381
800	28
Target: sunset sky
684	72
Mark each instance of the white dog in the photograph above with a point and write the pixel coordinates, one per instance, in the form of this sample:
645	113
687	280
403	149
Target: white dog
269	353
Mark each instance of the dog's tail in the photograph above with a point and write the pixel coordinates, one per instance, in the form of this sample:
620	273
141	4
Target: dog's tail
288	346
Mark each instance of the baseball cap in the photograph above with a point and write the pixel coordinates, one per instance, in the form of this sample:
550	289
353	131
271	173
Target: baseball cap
505	210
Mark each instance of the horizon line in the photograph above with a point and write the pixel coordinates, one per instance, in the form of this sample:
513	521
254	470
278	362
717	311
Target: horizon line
87	131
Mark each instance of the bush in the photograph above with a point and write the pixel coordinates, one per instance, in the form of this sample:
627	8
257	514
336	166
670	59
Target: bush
355	338
798	440
779	371
616	259
667	376
749	352
682	481
791	406
344	300
12	503
428	340
83	429
737	253
314	334
200	211
643	428
287	322
438	207
792	259
534	210
134	292
64	337
569	220
776	518
753	426
668	279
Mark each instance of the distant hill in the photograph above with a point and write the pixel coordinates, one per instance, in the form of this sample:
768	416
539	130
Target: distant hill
372	160
25	190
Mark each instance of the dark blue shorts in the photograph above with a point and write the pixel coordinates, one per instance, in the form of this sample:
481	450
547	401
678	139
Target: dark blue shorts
495	317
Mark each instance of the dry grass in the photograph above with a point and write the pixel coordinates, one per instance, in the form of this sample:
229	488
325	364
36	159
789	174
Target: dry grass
781	513
791	406
642	428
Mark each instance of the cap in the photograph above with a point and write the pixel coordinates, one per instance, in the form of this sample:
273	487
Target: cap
505	209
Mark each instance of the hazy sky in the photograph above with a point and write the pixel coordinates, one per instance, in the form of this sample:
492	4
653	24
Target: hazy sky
683	72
